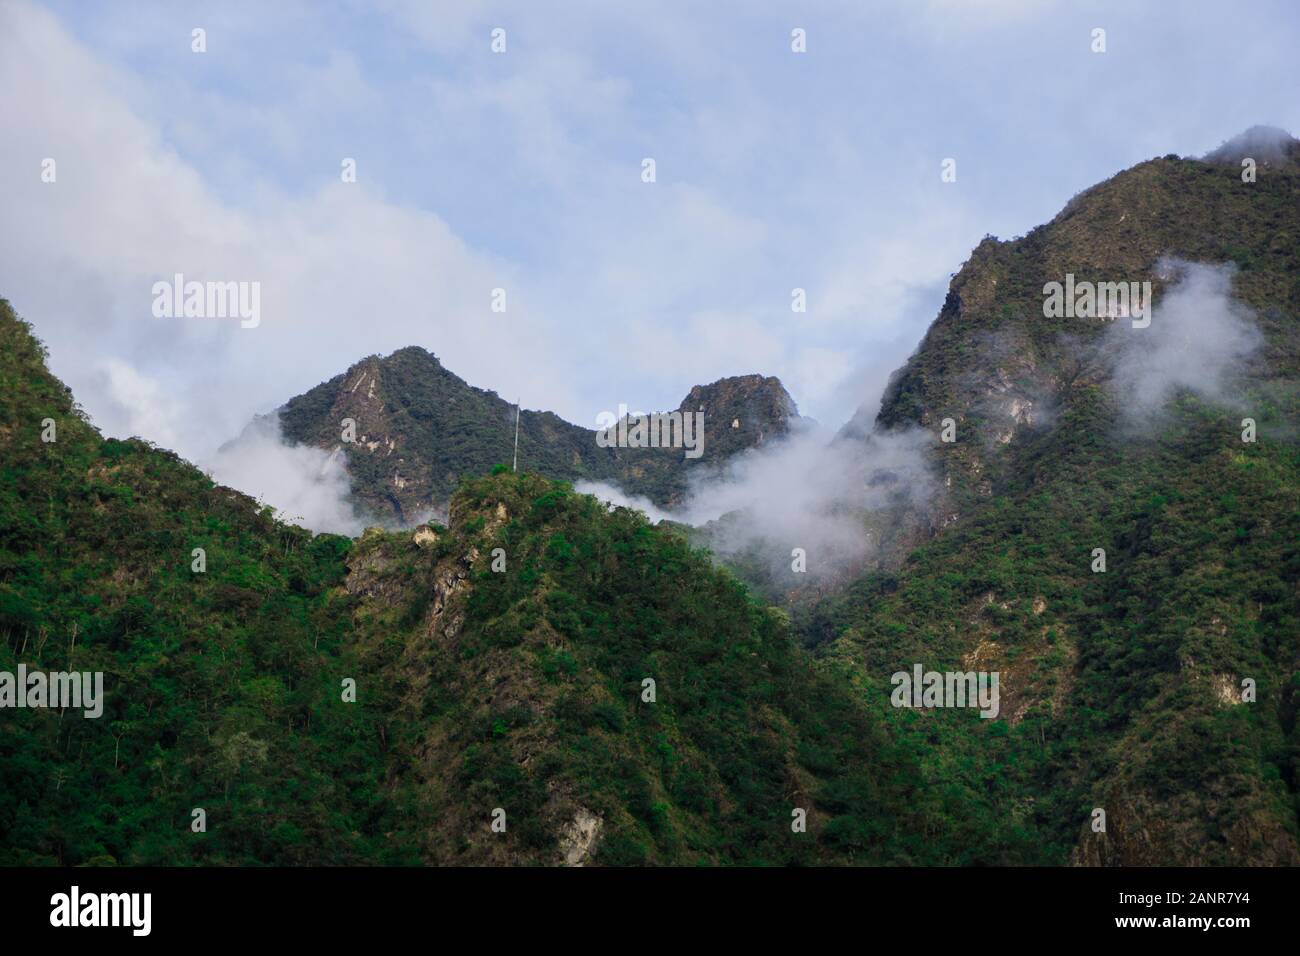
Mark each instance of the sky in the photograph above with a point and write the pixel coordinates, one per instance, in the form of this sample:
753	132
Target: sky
522	170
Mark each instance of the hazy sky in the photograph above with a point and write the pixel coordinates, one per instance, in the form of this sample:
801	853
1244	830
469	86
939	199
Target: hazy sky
522	170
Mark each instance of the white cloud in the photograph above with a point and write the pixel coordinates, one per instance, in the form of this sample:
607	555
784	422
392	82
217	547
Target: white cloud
1200	336
806	491
140	404
522	171
306	486
615	496
343	273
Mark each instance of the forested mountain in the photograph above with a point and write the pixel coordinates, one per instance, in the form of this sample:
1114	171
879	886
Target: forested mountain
520	689
420	430
617	697
1122	689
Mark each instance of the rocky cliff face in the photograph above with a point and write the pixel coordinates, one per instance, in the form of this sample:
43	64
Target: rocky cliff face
742	412
1114	681
1004	372
416	430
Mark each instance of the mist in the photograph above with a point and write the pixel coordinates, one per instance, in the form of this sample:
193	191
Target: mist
615	496
809	490
1199	339
1264	144
305	485
831	496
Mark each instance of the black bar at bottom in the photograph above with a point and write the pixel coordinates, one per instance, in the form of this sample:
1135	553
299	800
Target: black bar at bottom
532	905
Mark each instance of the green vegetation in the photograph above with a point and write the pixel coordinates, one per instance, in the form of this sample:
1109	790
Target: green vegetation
1120	690
502	662
475	689
219	686
742	729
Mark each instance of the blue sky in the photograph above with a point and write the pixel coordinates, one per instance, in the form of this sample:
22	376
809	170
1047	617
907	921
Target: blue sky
521	170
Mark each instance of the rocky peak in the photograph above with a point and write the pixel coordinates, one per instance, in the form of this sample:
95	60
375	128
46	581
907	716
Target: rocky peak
419	430
1004	372
742	411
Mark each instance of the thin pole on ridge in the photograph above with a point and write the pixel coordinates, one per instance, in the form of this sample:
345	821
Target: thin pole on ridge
515	467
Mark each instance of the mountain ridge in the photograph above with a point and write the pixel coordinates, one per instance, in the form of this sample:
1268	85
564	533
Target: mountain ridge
501	663
1123	686
419	428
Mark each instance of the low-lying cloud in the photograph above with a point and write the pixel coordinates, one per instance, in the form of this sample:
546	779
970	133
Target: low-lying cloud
1199	339
833	497
808	490
305	485
615	496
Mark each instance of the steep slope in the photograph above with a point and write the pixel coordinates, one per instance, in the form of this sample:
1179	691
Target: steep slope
219	685
500	663
525	688
519	688
1123	688
995	364
420	429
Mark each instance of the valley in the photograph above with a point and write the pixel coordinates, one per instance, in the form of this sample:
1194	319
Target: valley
500	644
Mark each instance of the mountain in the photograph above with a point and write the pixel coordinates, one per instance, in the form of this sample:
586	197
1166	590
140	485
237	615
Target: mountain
1123	690
993	362
479	691
1113	530
420	429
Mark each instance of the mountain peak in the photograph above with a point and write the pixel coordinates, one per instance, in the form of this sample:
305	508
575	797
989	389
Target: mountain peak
1268	145
420	428
412	352
742	388
741	411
